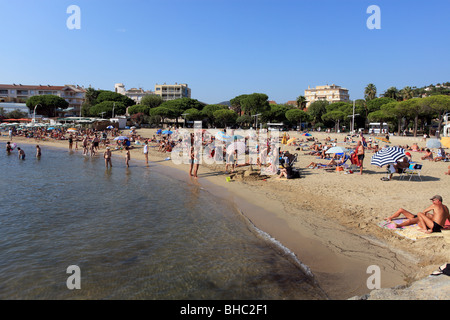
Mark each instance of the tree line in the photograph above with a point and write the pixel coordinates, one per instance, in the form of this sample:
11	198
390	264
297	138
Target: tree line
401	109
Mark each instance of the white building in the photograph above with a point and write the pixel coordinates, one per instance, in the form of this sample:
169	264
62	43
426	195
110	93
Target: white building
172	91
133	93
331	94
18	93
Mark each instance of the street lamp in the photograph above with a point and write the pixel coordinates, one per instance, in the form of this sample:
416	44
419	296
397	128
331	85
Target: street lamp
184	116
34	116
256	120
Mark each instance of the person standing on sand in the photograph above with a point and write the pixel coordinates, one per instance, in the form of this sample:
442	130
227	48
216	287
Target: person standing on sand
145	150
107	155
360	154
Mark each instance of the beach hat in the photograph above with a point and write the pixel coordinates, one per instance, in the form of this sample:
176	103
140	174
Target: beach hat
437	197
408	154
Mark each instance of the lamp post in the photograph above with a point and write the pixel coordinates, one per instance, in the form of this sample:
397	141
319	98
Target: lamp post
34	115
184	116
256	120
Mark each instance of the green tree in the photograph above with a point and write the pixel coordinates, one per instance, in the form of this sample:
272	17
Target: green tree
336	116
193	114
139	108
151	100
244	121
46	104
106	108
439	105
255	103
236	104
16	114
114	96
162	112
392	93
225	117
208	111
407	93
375	104
415	107
301	102
276	113
296	116
370	92
317	109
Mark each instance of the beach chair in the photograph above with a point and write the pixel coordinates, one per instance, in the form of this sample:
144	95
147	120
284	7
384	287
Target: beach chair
413	170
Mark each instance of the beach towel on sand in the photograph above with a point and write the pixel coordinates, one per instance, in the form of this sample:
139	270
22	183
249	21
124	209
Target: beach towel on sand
409	232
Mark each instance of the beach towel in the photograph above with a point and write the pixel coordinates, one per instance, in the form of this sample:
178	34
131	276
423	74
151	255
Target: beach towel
409	232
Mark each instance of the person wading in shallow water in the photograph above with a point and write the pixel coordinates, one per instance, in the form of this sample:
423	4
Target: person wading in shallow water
107	156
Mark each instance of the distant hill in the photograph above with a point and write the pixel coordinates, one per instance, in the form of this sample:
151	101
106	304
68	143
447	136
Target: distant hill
225	103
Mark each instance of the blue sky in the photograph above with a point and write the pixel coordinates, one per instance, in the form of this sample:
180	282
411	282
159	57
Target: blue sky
222	49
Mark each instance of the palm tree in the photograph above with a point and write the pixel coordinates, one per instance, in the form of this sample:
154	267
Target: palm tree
407	93
301	102
393	93
370	92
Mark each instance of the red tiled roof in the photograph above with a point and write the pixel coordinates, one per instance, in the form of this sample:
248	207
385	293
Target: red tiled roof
28	87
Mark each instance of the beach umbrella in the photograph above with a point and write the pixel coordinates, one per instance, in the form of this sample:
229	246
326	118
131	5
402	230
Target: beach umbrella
306	134
158	131
167	132
222	136
72	130
121	138
383	139
433	143
387	156
109	127
51	128
335	150
239	146
445	141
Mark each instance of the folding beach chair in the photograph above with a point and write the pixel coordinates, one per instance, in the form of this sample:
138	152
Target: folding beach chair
413	170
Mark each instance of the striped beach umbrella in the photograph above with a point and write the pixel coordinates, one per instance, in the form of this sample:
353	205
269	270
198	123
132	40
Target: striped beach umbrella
387	156
222	136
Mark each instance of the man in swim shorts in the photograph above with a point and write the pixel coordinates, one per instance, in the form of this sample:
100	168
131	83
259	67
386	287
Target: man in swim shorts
437	222
360	154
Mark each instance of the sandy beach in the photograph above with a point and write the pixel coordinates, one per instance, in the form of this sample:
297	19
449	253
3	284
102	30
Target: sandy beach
328	219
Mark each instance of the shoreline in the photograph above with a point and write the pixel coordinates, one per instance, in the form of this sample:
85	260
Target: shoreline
327	230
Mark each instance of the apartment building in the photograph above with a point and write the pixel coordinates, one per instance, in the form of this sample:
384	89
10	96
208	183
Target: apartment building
133	93
331	94
172	91
18	93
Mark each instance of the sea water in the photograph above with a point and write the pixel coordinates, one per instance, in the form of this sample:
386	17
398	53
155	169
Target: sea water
134	233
